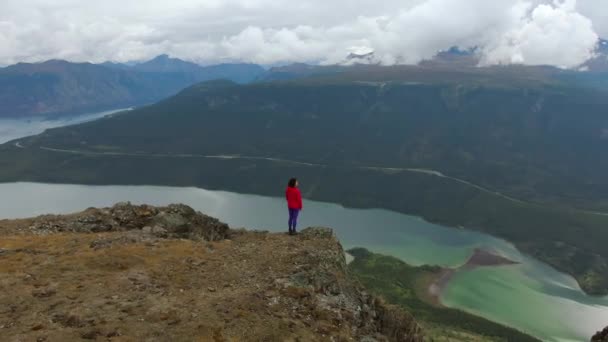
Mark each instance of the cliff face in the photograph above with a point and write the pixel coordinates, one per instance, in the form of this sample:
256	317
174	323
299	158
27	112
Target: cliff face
156	274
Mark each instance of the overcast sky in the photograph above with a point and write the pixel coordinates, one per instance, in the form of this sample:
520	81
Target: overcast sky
562	33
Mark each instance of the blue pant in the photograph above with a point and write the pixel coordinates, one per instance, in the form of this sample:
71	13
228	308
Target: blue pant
293	219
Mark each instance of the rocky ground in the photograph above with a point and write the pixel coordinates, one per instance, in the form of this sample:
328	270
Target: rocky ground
600	336
141	273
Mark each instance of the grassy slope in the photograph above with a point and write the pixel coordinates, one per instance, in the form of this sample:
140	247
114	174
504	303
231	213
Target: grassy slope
406	286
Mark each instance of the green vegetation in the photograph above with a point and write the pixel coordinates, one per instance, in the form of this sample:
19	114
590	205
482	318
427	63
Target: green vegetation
513	130
406	286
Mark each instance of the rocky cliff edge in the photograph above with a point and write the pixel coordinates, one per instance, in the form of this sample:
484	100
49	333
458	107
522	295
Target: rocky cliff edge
142	273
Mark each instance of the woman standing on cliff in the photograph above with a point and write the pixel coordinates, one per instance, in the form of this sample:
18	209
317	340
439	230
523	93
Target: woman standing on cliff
294	204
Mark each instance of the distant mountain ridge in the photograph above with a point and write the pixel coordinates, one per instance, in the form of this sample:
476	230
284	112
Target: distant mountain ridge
237	72
600	62
164	63
58	87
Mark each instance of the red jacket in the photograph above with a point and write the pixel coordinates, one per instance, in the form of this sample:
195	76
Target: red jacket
294	198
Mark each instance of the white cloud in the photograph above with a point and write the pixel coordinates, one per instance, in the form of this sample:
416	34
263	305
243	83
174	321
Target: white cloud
550	34
269	31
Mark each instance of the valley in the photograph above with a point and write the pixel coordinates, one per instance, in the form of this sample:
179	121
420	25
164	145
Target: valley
428	148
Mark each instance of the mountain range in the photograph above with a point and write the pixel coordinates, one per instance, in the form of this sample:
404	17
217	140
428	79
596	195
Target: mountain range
237	72
58	87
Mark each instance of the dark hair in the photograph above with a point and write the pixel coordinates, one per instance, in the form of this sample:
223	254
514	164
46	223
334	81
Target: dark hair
292	183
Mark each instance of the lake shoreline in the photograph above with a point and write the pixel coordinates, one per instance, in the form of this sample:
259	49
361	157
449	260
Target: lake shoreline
12	129
408	290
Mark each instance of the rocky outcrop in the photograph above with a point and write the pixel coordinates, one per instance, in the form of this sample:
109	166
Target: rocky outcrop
174	221
156	274
600	336
327	284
